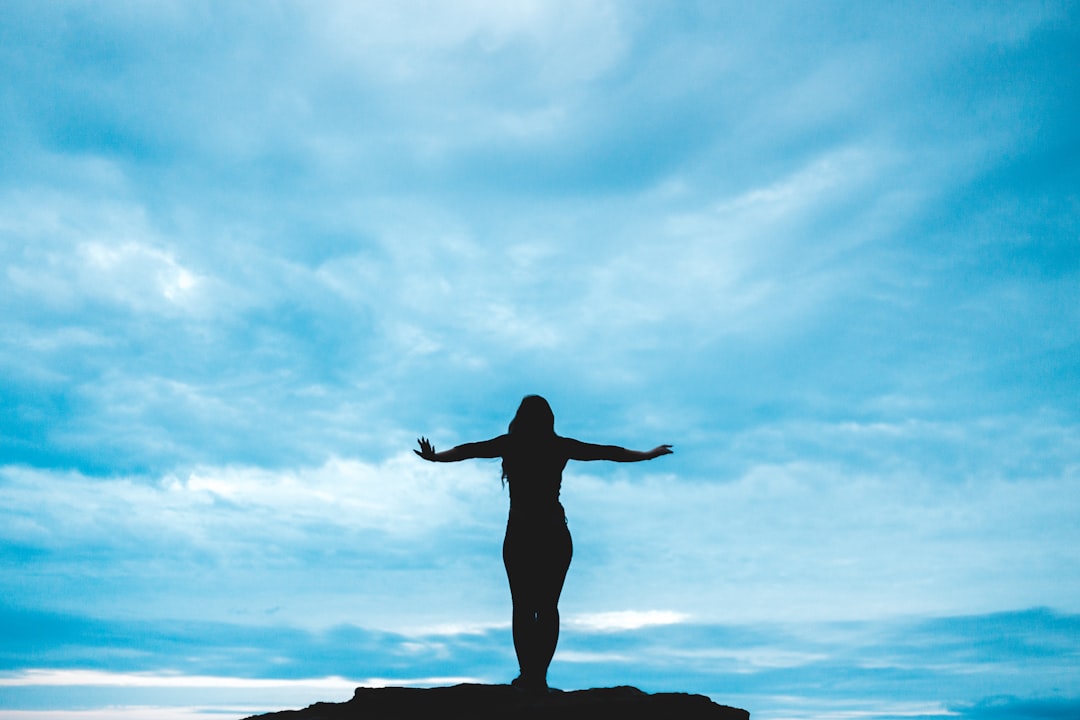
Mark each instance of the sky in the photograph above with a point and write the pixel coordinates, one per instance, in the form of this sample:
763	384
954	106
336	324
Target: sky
250	251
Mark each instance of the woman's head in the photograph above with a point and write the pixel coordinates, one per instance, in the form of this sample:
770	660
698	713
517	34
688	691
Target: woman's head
531	430
533	418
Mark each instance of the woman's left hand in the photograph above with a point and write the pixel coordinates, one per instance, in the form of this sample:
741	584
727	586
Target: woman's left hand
427	450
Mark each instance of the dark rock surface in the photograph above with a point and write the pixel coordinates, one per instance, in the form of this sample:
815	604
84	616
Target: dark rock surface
503	702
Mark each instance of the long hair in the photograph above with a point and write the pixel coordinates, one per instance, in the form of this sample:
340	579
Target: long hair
532	428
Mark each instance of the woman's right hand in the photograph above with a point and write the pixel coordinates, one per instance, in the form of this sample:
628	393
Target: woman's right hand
660	450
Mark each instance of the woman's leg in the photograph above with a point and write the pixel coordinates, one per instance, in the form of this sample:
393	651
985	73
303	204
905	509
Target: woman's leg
547	605
524	615
536	565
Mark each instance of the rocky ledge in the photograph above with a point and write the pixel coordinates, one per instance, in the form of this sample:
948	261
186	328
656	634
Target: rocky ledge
503	702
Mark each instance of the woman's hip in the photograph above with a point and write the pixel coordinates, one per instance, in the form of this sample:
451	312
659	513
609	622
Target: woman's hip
535	541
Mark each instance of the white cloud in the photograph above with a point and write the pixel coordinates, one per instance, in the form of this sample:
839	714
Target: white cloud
101	678
76	253
228	510
134	274
619	620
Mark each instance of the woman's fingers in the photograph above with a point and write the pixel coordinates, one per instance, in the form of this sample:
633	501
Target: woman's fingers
427	450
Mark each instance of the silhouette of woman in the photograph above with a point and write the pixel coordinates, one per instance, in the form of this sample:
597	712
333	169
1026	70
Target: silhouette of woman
537	547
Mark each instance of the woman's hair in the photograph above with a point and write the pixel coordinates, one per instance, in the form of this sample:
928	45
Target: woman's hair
533	425
533	419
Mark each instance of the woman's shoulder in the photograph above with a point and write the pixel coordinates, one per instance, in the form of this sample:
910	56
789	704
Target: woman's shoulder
499	443
552	445
492	448
567	446
568	443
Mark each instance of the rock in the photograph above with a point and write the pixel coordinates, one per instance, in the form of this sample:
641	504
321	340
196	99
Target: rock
503	702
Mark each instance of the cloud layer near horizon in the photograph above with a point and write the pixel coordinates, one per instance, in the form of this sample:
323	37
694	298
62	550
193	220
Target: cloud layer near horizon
913	668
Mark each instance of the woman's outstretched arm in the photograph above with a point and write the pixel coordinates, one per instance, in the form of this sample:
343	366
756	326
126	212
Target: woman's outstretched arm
588	451
484	449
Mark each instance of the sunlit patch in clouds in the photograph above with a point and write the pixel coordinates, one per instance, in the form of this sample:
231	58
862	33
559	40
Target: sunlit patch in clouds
625	620
402	496
135	273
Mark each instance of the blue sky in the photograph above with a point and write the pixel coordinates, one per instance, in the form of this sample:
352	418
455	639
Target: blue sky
251	251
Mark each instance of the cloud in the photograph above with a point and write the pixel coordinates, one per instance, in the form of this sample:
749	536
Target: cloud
626	620
134	712
320	245
348	536
877	669
413	41
1006	706
88	678
250	253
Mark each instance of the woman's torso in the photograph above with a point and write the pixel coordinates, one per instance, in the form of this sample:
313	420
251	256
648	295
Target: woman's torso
533	470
